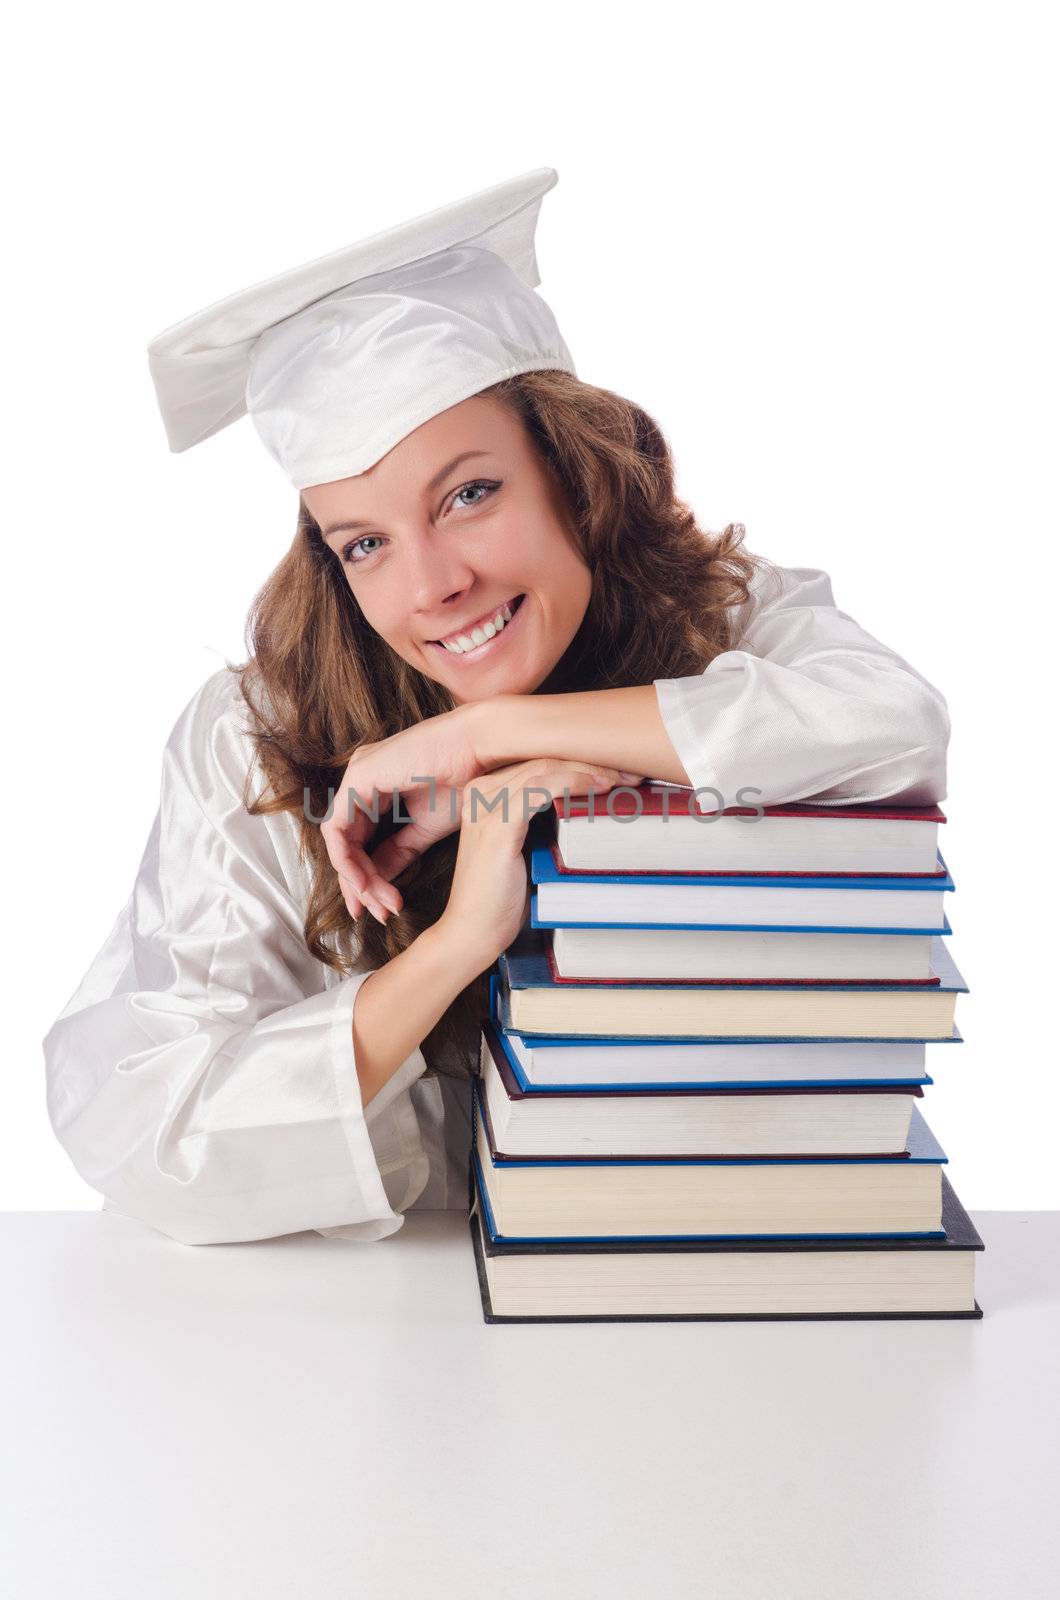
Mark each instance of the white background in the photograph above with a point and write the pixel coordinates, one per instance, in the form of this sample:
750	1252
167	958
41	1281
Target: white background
816	241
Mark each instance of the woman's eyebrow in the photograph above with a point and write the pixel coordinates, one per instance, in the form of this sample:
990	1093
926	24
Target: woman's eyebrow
439	477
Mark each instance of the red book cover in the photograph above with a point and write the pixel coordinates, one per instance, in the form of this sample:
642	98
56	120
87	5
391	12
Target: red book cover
591	873
653	802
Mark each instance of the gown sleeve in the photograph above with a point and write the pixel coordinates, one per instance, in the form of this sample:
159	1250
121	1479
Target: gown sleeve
202	1076
808	706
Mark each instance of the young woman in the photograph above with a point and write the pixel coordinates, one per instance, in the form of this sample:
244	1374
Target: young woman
280	1030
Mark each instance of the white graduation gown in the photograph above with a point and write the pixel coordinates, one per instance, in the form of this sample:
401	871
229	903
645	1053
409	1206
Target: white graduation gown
202	1076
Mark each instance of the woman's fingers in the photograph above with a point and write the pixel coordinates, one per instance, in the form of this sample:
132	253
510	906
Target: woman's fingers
432	816
365	879
369	889
534	780
439	747
349	865
352	867
346	832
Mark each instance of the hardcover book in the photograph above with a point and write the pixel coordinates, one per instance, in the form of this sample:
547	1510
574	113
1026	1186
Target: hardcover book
594	1197
678	830
540	1001
727	1280
703	955
868	1120
736	900
594	1061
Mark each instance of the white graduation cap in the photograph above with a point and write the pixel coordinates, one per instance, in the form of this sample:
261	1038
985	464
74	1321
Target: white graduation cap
339	359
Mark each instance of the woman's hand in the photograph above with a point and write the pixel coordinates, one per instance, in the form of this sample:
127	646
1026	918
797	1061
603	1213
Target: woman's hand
488	900
441	748
445	753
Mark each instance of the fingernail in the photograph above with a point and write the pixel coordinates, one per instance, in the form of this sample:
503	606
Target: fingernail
388	895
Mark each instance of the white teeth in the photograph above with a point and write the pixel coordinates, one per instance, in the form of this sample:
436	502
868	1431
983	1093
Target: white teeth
478	636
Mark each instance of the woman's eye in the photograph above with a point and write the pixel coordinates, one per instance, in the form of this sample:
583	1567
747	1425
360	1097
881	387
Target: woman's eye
348	555
355	551
479	484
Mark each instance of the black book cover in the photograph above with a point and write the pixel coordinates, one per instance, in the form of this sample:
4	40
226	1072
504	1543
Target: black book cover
960	1234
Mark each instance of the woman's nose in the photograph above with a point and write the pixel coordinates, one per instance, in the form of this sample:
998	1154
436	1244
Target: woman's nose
436	571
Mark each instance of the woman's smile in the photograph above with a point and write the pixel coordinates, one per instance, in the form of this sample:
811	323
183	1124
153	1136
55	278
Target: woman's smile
483	637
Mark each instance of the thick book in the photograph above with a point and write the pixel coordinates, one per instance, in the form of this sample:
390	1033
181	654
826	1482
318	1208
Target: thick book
778	901
604	1197
540	1001
687	1122
566	1062
702	954
726	1280
667	828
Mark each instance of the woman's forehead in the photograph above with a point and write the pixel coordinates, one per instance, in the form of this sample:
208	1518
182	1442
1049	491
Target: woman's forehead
484	432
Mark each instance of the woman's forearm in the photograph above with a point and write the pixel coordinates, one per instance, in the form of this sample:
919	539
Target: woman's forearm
619	727
398	1004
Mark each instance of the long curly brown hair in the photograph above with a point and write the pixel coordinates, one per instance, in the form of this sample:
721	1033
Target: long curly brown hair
319	681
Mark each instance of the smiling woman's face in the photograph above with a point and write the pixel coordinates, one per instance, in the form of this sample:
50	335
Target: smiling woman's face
456	529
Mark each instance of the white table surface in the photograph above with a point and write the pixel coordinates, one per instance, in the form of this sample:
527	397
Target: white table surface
312	1418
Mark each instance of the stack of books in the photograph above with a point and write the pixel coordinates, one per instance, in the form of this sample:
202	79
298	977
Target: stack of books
699	1083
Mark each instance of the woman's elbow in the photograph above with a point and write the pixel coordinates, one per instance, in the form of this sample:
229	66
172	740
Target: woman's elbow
108	1125
921	749
934	724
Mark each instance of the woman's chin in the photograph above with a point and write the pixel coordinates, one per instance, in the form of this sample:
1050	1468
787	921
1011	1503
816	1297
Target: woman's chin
487	683
498	684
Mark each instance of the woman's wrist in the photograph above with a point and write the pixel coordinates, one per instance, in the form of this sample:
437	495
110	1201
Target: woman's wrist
454	945
493	728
